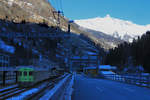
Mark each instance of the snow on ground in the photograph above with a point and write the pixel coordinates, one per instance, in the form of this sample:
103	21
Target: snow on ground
9	87
24	94
6	47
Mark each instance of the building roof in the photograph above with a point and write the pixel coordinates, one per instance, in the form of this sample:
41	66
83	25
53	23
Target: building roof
90	68
107	67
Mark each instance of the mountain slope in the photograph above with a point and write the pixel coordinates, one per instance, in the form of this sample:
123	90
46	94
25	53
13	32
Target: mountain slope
25	16
33	11
106	41
117	28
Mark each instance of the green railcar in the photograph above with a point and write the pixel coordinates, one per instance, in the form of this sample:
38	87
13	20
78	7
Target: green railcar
25	75
28	76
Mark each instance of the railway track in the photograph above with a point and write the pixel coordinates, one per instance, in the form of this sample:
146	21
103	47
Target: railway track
45	89
6	93
14	91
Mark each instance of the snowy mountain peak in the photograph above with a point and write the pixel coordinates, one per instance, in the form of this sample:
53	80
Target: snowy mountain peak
107	16
123	29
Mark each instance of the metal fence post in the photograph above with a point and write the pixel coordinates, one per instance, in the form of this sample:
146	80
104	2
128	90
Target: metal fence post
140	79
4	78
16	76
148	81
121	77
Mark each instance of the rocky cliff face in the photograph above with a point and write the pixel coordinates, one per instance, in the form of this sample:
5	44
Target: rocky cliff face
33	11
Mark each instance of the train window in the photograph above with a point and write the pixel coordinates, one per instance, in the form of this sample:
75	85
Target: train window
25	73
30	73
20	73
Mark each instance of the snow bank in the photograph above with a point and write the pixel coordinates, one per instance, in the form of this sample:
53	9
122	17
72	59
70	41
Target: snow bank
25	94
107	67
55	90
107	72
69	89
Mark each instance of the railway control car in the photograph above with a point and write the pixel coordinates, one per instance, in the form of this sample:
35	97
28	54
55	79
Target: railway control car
30	75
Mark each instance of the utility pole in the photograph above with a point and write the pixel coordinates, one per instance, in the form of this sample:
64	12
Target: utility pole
58	17
69	22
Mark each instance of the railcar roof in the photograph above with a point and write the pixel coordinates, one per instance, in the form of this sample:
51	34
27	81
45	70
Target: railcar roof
32	68
26	69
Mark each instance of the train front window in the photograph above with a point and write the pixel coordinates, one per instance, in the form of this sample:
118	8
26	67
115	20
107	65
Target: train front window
25	73
30	73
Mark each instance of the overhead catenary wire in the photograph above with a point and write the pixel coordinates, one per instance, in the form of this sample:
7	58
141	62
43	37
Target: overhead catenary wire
61	6
54	3
58	5
58	11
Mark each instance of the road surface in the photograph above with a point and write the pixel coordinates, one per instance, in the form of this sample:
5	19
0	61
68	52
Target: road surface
98	89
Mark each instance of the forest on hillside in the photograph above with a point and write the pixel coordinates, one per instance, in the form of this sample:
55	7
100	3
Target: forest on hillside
131	55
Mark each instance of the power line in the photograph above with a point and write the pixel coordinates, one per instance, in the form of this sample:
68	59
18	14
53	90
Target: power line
54	2
59	10
58	5
61	6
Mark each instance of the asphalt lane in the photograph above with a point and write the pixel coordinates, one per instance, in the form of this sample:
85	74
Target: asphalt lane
86	88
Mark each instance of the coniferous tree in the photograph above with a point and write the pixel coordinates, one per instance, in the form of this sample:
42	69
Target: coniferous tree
138	52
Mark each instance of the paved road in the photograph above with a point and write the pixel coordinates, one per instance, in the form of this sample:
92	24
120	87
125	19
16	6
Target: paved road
98	89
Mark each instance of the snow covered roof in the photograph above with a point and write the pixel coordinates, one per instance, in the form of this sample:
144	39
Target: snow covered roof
36	68
107	72
90	68
102	67
106	67
90	53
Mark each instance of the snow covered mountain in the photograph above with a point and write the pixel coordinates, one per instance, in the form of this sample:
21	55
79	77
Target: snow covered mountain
122	29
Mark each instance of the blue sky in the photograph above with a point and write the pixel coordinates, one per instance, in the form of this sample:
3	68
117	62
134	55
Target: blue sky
137	11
